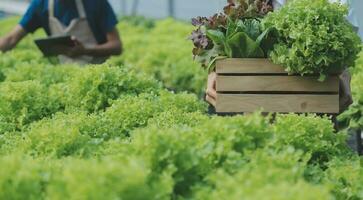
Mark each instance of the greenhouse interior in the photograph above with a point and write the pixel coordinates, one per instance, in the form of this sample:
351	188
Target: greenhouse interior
181	99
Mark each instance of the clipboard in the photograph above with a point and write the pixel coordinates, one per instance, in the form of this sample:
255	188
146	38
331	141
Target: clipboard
54	46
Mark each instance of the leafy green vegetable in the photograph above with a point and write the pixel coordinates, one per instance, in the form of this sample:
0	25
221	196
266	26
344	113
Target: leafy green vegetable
343	177
353	117
236	33
315	137
111	132
22	103
249	49
96	86
314	37
266	173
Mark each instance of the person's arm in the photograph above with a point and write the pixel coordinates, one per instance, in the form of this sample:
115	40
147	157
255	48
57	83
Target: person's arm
28	24
211	93
106	21
113	46
12	39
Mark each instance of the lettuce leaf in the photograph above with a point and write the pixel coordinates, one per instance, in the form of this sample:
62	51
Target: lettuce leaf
242	46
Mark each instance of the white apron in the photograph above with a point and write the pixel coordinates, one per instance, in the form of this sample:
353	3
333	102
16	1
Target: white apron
78	28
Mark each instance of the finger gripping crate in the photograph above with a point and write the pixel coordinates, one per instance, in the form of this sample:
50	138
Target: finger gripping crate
247	85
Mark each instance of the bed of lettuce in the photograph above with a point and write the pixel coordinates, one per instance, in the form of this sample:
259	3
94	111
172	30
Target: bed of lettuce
128	130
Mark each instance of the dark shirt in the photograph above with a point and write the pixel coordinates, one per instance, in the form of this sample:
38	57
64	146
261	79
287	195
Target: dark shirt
100	16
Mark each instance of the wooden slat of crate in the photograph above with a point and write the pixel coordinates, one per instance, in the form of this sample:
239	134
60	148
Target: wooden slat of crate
276	83
252	66
248	66
298	103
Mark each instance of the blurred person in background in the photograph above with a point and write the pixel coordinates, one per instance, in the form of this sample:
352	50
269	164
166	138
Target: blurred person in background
354	17
91	23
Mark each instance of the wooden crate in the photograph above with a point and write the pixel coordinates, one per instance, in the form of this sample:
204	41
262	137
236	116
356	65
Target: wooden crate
247	85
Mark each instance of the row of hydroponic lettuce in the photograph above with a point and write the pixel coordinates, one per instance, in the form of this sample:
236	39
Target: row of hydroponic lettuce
160	49
113	132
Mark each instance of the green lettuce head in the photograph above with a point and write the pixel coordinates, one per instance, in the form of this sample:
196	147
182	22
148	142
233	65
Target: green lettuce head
314	37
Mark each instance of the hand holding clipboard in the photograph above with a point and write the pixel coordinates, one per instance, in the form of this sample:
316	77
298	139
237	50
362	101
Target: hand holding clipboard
54	46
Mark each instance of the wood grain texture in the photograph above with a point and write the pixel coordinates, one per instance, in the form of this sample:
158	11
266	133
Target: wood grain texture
276	83
252	66
297	103
248	66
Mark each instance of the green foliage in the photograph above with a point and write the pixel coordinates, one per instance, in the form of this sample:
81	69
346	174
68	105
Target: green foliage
235	33
249	49
79	134
129	113
148	46
268	175
353	117
358	64
125	115
112	131
177	117
139	21
191	153
163	53
245	39
312	135
170	59
111	179
22	178
344	178
96	86
22	103
19	58
314	37
63	135
44	73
